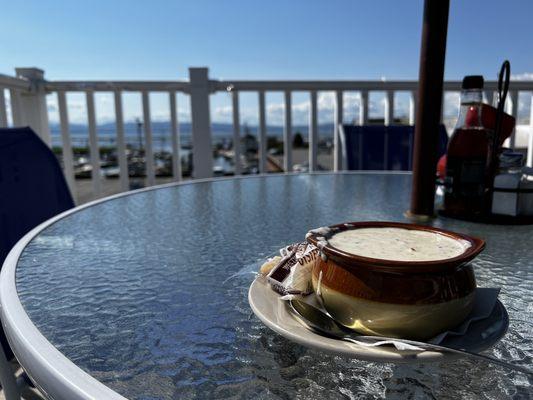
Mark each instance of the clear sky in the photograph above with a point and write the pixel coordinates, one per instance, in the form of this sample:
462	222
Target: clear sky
245	39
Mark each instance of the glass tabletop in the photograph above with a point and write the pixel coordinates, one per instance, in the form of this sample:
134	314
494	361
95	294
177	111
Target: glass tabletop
148	292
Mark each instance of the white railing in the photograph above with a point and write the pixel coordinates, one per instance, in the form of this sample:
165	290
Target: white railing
15	86
28	107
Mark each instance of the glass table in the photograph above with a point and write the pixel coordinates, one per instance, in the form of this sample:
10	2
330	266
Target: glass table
144	295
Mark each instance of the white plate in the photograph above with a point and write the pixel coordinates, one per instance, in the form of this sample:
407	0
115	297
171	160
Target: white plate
275	314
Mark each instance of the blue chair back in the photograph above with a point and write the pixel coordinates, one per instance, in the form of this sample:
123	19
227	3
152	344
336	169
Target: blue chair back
32	190
379	147
32	186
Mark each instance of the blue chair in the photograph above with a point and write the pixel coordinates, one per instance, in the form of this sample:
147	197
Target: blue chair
32	190
379	147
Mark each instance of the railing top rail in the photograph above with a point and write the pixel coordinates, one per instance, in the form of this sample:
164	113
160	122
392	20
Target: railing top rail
105	86
10	82
328	85
247	85
296	85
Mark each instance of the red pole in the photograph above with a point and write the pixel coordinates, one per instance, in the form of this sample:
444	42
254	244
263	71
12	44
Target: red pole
431	74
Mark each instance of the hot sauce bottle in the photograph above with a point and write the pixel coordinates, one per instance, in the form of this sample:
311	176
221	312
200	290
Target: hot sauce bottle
469	158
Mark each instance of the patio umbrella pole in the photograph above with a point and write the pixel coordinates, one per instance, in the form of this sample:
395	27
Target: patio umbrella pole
431	73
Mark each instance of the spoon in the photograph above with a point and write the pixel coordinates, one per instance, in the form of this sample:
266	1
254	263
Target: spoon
322	323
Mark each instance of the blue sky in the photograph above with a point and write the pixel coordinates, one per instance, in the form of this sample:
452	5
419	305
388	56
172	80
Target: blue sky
334	39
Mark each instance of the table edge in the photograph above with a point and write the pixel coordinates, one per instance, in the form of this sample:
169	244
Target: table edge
55	374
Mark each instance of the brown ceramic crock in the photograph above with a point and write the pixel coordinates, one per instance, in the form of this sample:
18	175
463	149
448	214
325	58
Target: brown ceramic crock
407	299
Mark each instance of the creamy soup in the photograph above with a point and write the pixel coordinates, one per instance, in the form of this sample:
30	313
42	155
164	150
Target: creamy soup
398	244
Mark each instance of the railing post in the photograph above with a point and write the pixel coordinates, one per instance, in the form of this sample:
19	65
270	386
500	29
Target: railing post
68	158
121	143
94	149
16	108
236	133
148	146
3	113
489	96
33	103
412	107
514	113
442	104
388	120
287	133
530	137
363	108
202	152
313	132
175	131
262	134
338	119
389	108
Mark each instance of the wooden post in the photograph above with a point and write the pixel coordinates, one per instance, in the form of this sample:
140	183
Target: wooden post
431	73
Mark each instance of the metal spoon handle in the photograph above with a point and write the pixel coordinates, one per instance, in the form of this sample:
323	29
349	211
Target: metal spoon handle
322	323
430	346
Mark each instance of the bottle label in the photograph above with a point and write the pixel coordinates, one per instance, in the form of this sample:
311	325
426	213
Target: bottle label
468	176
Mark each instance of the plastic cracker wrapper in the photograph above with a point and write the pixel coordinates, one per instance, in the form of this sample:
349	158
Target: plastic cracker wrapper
290	274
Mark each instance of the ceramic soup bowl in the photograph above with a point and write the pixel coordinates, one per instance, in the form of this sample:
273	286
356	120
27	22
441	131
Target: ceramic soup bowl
395	279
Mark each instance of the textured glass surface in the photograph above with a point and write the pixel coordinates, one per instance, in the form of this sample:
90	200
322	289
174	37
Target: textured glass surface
148	293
